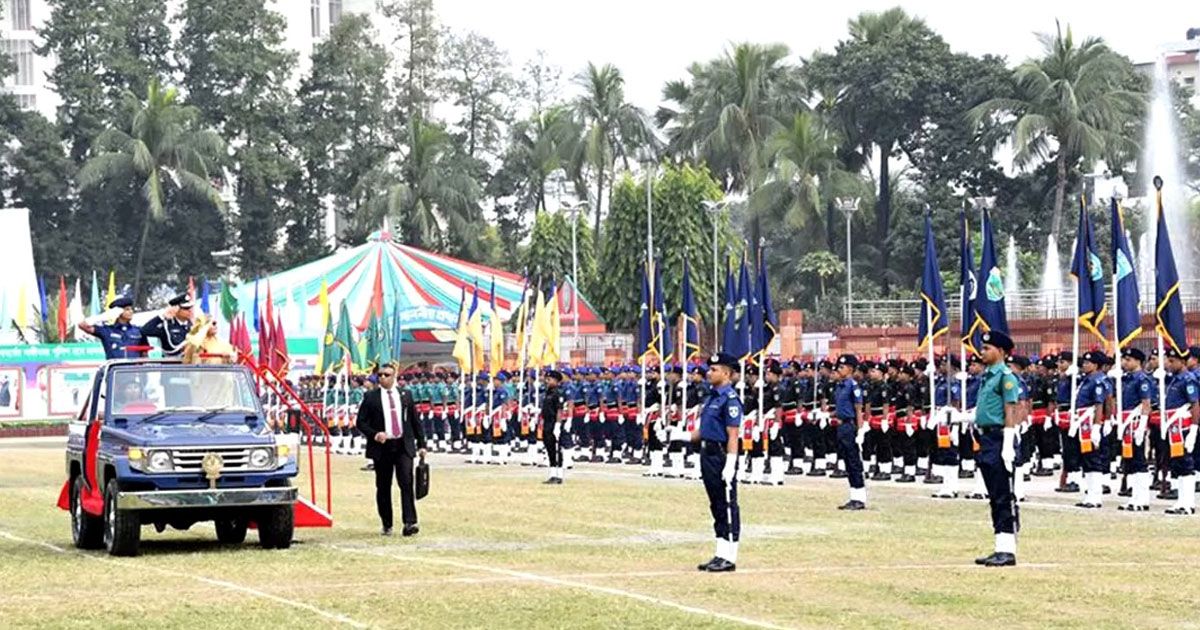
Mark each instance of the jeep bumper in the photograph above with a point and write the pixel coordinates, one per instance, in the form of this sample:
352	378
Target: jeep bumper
206	498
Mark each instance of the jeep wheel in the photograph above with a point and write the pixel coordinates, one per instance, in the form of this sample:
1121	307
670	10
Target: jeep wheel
231	531
122	529
275	527
87	531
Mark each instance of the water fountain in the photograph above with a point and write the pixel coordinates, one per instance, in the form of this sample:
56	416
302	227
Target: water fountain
1052	280
1145	265
1161	156
1012	277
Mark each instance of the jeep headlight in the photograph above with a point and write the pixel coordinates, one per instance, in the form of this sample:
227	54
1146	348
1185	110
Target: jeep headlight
260	458
159	461
282	451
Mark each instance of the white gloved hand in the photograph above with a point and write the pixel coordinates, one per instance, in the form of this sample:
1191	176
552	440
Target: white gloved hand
756	433
1139	436
774	432
862	434
1008	452
107	316
557	430
1189	442
884	425
1049	422
908	430
730	470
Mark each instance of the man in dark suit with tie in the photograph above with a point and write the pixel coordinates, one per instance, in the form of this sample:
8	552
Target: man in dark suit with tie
387	417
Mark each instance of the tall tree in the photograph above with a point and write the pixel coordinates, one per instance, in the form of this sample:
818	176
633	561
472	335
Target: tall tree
549	253
880	78
1072	107
481	87
417	44
803	156
235	71
342	133
165	152
613	129
42	175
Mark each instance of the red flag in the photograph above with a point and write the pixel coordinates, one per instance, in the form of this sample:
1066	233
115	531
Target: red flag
282	360
62	309
268	317
264	343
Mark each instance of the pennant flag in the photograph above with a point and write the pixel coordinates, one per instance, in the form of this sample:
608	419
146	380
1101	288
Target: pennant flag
768	323
522	325
373	336
343	338
1127	304
935	319
270	310
496	330
537	338
204	293
729	330
989	306
968	284
44	312
462	337
265	352
254	313
112	290
742	334
229	304
475	330
279	351
61	318
553	327
331	353
662	326
690	344
1169	309
94	307
645	342
1088	272
75	314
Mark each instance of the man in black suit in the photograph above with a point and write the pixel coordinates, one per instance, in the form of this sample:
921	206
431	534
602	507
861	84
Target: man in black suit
387	417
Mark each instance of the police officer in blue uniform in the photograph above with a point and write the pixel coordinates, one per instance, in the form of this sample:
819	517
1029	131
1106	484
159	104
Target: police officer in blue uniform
720	420
1180	413
1090	399
121	339
1138	393
997	414
848	408
171	327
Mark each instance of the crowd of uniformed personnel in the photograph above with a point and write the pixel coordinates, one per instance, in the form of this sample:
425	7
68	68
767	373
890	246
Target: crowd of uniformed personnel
794	410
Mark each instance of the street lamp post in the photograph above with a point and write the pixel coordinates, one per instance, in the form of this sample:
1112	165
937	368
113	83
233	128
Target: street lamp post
848	205
714	208
575	267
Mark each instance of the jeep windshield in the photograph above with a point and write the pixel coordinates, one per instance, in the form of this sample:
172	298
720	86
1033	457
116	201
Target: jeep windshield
154	392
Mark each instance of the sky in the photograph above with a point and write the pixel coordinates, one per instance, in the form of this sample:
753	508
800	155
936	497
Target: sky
653	41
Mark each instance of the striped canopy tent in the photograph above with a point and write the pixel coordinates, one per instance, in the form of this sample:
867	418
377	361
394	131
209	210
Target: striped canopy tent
385	278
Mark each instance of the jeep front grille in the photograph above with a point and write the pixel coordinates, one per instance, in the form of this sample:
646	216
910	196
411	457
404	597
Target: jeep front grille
235	458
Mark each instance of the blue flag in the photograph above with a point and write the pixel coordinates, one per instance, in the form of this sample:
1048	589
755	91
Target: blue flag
754	319
935	320
662	325
967	282
729	330
204	291
256	304
645	345
1128	303
742	333
1169	309
989	293
42	295
691	327
1088	272
767	322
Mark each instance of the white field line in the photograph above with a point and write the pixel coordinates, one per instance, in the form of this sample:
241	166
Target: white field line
246	590
575	584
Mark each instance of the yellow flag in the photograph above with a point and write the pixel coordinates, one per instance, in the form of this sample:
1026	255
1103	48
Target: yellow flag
22	308
537	334
522	314
323	301
475	332
496	350
553	335
112	289
462	340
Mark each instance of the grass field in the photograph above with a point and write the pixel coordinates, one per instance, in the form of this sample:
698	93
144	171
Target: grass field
610	549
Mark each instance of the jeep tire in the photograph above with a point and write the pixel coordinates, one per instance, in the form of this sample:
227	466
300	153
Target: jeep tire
276	526
122	528
87	531
231	531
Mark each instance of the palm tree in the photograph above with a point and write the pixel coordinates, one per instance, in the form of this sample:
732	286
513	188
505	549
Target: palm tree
731	106
1072	106
538	148
804	159
433	197
165	149
611	128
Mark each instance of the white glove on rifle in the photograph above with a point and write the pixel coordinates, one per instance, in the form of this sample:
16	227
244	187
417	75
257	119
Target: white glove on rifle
557	430
1049	422
1189	442
883	424
774	432
862	434
908	430
730	470
1008	453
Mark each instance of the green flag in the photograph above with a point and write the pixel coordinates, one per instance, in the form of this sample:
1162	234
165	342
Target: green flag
377	350
229	304
331	353
343	338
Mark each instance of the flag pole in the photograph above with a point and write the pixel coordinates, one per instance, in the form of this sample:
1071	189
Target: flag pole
1117	372
1161	373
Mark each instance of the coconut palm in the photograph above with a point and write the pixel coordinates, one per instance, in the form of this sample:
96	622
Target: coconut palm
165	149
611	129
803	158
540	147
1071	107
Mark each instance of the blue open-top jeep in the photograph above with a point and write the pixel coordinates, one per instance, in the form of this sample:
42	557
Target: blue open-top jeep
161	443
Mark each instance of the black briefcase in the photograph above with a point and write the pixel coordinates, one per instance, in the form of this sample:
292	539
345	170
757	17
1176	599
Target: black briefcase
422	479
